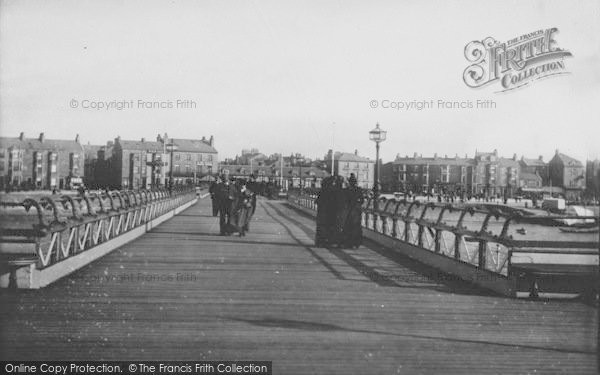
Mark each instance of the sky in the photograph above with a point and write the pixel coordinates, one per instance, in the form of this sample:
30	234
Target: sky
291	76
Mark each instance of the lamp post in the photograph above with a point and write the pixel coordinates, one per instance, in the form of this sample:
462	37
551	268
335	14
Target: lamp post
171	147
301	160
376	135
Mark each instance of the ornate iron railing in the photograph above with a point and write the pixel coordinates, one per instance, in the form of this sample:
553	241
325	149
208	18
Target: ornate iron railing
60	226
483	237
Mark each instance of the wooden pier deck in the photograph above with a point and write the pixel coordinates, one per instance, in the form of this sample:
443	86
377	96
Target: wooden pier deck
183	292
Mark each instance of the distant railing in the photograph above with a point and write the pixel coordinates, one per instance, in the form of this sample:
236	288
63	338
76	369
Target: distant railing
482	237
57	227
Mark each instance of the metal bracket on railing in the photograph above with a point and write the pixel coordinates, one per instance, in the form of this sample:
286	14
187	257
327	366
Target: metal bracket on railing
57	220
121	200
67	198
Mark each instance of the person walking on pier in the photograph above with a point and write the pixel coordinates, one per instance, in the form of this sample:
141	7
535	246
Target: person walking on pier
214	186
226	196
244	208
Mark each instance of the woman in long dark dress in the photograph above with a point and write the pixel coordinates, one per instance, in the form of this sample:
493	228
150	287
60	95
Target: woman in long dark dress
245	206
340	209
352	227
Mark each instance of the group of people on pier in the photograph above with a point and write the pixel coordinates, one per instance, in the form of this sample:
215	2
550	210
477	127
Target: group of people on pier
234	203
338	202
339	213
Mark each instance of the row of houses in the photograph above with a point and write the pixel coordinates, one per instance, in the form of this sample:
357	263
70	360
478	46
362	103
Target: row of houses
135	164
487	174
40	163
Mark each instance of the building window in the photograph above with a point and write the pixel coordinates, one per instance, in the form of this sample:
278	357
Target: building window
177	156
188	157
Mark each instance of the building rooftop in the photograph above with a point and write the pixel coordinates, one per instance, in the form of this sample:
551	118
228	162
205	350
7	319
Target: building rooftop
567	160
348	156
539	162
193	145
41	143
530	176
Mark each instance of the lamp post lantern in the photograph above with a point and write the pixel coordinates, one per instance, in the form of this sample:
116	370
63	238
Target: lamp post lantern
377	135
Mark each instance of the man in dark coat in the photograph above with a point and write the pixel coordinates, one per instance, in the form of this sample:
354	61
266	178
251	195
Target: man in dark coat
214	186
226	197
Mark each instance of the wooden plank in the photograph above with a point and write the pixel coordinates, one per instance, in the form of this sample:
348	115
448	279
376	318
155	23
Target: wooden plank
183	292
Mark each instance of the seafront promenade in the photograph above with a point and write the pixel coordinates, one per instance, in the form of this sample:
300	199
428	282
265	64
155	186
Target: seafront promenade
181	291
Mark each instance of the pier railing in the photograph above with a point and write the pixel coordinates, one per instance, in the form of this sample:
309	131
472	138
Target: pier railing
490	239
46	230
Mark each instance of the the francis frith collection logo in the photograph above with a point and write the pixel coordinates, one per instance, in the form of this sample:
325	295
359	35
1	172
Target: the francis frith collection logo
515	63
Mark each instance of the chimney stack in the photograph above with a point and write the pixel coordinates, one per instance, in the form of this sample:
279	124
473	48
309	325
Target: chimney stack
41	137
22	136
211	141
355	152
143	139
514	156
158	138
77	138
415	155
541	158
435	155
557	152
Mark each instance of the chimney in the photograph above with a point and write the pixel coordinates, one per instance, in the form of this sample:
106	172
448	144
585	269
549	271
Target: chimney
446	156
158	138
415	155
118	139
540	158
203	139
41	137
22	136
143	139
435	155
556	152
211	141
514	156
495	152
355	152
77	138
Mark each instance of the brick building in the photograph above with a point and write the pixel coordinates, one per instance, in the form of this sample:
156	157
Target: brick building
41	163
346	163
193	159
567	173
534	167
426	174
495	175
143	163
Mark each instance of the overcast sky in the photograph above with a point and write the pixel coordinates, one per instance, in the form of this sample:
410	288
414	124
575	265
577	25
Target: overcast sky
276	75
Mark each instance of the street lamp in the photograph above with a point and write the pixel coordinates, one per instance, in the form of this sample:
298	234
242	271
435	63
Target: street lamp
377	135
171	147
